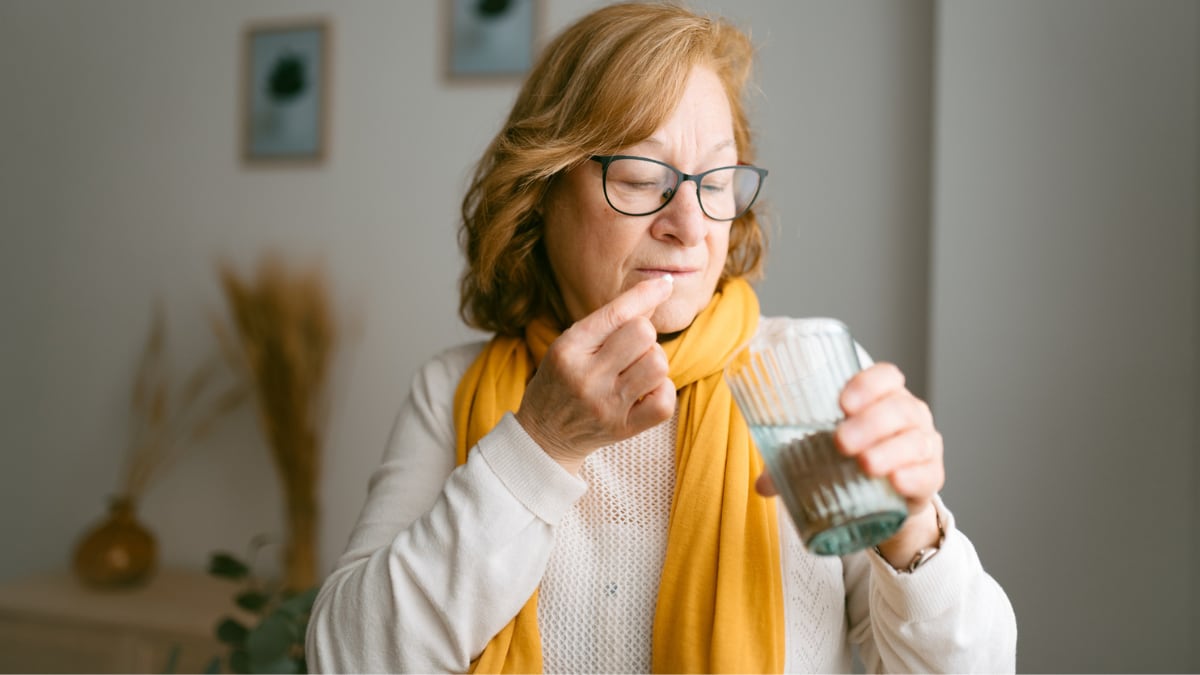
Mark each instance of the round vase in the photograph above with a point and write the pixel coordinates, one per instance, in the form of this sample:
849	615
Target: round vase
119	551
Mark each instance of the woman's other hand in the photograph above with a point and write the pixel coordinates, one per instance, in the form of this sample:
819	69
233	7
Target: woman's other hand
891	433
602	381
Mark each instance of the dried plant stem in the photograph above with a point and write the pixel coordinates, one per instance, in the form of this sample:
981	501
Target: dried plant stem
164	425
282	342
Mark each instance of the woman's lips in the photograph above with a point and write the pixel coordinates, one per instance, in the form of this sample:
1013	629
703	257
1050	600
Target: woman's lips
663	271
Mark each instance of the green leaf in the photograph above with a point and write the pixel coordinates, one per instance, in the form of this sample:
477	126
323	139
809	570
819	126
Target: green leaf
300	603
231	632
172	659
227	566
213	667
252	601
271	640
239	661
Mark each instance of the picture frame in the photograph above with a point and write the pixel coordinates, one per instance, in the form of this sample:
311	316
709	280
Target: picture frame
285	91
490	39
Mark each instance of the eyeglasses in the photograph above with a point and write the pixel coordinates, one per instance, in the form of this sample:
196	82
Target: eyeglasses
639	186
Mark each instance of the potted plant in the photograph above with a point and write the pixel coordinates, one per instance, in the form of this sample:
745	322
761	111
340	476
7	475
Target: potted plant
273	640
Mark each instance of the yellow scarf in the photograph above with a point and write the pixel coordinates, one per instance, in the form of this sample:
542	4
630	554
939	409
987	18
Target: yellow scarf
720	601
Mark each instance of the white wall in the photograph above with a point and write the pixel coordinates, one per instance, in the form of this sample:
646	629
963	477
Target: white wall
120	182
844	115
1064	356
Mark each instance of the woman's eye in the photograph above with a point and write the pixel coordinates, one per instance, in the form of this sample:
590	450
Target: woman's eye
640	184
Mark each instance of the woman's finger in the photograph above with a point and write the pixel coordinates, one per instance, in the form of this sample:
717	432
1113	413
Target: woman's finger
869	385
593	330
765	485
644	375
914	445
652	409
918	483
885	417
623	349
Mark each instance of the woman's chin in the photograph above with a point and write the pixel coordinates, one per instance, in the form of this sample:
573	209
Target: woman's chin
672	317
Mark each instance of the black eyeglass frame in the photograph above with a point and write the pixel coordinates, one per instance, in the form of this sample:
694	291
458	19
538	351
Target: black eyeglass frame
606	160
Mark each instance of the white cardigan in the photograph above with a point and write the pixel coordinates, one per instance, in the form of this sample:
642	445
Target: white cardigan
442	558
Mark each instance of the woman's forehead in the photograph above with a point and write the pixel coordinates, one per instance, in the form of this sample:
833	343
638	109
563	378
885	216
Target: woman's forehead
700	126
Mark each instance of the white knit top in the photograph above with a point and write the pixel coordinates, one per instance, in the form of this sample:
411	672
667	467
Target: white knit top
607	560
443	557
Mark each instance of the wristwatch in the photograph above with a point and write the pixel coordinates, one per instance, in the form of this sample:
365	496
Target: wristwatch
926	554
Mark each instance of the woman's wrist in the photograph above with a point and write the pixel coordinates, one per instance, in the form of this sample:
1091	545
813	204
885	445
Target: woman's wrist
568	461
921	534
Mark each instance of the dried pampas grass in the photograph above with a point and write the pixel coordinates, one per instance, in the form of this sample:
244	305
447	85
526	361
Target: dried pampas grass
166	422
281	340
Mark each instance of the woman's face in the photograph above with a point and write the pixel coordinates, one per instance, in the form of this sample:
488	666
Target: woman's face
597	253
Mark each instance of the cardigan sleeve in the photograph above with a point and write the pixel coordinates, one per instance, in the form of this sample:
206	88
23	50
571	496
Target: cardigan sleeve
441	558
948	616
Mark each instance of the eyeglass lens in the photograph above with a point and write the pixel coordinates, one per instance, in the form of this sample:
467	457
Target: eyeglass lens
639	186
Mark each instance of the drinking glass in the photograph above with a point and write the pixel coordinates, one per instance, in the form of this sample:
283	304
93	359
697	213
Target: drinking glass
787	382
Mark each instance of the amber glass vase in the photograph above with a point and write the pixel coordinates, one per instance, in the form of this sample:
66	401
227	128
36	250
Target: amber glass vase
117	552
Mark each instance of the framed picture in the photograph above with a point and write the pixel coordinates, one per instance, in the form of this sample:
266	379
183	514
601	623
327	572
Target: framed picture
490	39
285	109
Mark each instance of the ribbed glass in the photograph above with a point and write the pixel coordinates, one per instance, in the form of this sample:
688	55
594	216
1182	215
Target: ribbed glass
787	383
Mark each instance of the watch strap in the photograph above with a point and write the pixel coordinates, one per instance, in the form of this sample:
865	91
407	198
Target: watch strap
926	554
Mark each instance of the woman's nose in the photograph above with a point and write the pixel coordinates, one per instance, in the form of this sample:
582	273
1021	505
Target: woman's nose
682	219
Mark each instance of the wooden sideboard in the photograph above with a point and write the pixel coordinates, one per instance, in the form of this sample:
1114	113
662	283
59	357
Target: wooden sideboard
52	623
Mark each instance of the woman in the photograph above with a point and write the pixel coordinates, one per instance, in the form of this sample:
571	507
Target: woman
602	515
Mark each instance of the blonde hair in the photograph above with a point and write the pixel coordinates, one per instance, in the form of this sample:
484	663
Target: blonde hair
608	81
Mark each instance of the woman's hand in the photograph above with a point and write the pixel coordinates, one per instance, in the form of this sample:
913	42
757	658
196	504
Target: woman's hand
602	381
891	433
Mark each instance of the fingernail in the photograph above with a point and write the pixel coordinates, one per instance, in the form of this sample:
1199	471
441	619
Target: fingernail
670	279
